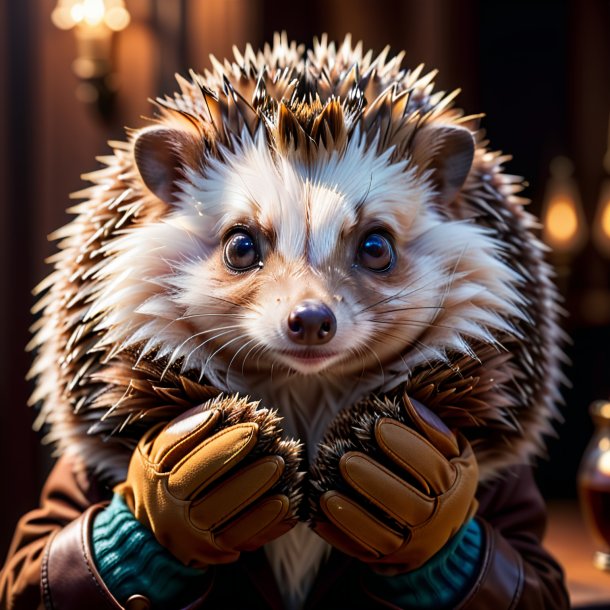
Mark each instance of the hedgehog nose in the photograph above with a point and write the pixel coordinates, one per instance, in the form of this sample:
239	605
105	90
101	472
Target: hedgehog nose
311	323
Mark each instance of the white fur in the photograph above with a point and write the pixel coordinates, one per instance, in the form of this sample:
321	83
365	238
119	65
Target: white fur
295	559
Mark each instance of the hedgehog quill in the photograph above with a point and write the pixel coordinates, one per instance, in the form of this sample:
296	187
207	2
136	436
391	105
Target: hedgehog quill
302	326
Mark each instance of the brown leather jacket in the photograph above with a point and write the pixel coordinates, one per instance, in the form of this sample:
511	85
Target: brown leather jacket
49	564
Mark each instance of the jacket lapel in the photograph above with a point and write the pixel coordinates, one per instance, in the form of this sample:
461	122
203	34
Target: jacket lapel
259	571
260	574
330	572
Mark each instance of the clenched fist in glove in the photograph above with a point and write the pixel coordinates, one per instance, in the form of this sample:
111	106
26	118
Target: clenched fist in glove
215	481
394	505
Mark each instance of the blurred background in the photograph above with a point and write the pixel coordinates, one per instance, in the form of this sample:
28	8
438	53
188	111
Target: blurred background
540	71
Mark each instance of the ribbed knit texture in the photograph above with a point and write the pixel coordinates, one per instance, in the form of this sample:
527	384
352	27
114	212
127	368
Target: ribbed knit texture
131	561
441	582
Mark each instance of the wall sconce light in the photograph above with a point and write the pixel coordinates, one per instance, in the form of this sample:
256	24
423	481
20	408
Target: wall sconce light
601	224
94	23
564	228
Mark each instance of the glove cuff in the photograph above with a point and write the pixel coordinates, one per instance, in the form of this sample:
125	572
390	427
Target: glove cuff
131	561
442	581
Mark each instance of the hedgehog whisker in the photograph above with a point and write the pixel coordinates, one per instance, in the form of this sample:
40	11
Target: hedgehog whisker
415	324
177	349
223	346
227	330
235	356
263	351
205	315
358	352
414	343
398	337
400	294
369	348
451	279
420	347
211	296
190	354
254	350
205	332
411	308
257	345
427	326
169	324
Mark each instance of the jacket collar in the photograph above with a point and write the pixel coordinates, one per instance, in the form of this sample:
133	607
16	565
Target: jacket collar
260	574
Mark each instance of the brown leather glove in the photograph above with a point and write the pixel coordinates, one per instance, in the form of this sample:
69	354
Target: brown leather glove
196	482
404	512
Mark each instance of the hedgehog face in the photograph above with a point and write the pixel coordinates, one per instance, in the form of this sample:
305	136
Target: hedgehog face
304	255
338	262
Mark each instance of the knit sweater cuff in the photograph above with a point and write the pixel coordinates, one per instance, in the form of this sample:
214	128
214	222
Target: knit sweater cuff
442	581
131	561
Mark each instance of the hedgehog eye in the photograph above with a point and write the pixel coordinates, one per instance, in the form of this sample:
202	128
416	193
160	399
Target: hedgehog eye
376	252
240	251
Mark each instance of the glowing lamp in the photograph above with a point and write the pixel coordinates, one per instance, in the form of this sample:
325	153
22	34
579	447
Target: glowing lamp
91	14
564	228
601	224
94	23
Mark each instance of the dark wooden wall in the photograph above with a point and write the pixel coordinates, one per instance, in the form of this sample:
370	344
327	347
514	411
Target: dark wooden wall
19	170
538	69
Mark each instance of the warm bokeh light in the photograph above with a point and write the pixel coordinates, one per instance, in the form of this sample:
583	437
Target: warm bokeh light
77	12
561	221
117	18
605	219
604	411
62	18
92	13
601	224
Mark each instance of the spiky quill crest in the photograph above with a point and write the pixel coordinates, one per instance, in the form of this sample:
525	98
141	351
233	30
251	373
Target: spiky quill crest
97	396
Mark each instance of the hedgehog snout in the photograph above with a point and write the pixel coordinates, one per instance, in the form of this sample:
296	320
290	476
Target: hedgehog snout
311	322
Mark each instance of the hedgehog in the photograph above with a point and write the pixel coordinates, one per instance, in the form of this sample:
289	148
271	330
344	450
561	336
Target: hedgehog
294	233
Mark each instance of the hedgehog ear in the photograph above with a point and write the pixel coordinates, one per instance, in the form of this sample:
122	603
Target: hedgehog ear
448	151
162	154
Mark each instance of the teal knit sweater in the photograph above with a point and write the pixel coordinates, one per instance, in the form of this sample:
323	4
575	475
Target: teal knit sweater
440	583
131	561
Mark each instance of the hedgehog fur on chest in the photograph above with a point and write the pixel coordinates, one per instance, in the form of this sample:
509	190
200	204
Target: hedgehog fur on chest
307	228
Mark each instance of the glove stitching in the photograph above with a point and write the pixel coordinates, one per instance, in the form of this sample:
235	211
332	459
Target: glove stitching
208	441
151	468
456	483
376	502
237	509
148	435
256	533
378	554
404	428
